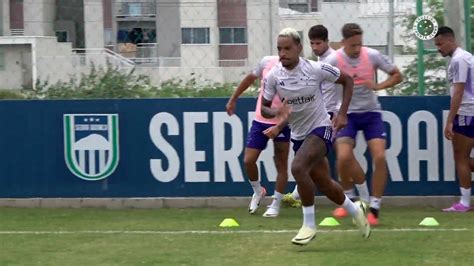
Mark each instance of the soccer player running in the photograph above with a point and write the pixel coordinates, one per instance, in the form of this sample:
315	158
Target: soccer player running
297	81
318	36
460	123
257	142
360	63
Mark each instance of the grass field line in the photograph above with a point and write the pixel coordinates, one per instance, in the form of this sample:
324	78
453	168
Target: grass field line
224	231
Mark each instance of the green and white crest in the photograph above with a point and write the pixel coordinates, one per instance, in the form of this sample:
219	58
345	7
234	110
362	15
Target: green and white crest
425	27
91	145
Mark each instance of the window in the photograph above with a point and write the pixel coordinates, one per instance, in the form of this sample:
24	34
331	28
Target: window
136	35
62	36
134	9
303	8
2	59
194	35
232	35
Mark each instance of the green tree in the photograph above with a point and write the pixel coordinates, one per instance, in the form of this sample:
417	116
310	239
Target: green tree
435	65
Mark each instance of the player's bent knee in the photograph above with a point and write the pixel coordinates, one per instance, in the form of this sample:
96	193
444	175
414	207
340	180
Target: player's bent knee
297	170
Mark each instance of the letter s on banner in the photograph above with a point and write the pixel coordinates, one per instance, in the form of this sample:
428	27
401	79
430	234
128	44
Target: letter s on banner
160	142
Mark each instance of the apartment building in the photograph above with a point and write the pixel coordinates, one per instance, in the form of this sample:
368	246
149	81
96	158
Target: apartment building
215	40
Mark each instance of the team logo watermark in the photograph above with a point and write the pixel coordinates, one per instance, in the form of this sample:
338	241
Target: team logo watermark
91	145
425	27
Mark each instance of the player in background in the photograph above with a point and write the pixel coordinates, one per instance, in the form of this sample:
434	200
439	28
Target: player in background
460	122
257	142
361	63
297	81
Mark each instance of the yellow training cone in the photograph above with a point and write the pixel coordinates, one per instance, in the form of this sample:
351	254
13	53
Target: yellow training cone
229	222
429	221
329	221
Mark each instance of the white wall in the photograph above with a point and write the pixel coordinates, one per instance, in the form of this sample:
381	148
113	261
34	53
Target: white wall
16	66
203	76
200	14
5	18
53	60
372	17
262	29
39	16
93	24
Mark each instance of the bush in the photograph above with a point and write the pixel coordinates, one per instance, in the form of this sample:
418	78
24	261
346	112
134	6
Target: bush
111	83
99	83
178	89
11	94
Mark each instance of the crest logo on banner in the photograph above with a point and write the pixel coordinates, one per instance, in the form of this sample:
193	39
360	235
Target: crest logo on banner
91	145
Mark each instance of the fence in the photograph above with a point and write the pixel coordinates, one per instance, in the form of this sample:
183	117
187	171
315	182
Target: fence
223	35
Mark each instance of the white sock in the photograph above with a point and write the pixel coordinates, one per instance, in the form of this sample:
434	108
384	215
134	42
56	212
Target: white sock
308	216
375	202
277	196
295	193
256	186
363	191
466	196
350	193
350	206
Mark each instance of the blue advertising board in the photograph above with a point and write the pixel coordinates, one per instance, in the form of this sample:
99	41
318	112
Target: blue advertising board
188	147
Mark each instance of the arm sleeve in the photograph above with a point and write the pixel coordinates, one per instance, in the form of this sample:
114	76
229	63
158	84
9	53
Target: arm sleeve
269	86
327	72
381	61
460	70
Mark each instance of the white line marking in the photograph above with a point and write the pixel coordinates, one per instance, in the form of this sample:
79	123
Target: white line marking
224	231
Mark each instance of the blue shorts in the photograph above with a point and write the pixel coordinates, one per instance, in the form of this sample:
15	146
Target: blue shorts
464	125
257	140
370	122
325	133
331	115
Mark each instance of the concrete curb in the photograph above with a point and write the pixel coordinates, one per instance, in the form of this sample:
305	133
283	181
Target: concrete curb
199	202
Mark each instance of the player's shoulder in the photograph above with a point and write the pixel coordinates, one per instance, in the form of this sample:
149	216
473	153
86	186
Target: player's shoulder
269	59
378	58
306	61
275	70
372	51
462	55
309	65
331	58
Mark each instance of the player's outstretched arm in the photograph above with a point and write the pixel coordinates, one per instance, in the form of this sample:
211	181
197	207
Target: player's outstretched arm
243	86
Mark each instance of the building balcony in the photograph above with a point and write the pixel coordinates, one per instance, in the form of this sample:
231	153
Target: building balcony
144	10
